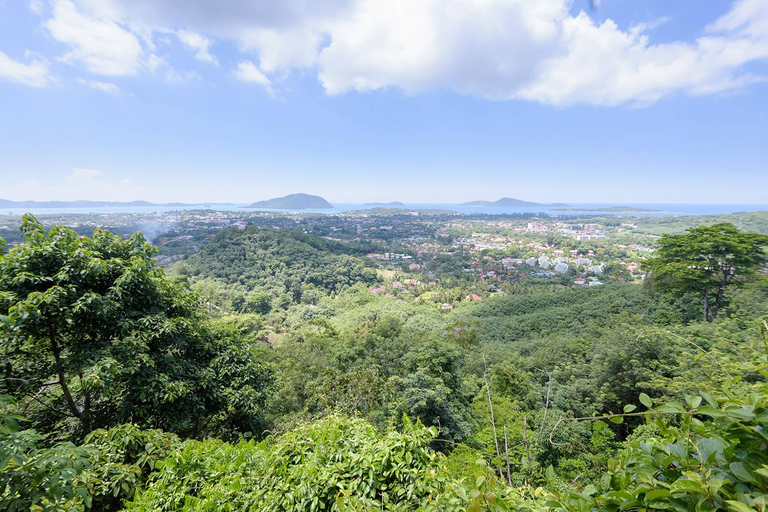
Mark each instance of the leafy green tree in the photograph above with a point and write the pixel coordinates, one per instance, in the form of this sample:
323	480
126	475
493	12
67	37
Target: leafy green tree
464	332
259	302
97	336
708	260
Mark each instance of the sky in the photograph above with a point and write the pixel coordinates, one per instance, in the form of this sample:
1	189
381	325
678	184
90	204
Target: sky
419	101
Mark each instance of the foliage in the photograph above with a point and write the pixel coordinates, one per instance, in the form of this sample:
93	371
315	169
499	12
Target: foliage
121	459
96	334
708	260
713	459
265	260
335	464
36	478
568	370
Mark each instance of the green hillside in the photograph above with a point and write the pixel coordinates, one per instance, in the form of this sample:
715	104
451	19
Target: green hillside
277	262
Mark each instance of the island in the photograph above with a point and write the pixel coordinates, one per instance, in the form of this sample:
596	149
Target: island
508	202
610	209
293	202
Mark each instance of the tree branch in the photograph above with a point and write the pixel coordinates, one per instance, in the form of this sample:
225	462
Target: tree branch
60	372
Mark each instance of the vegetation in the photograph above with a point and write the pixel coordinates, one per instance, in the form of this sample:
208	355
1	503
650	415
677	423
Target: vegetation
278	371
708	260
293	202
97	336
254	270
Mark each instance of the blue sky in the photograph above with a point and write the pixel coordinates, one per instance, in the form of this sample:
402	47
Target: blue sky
370	100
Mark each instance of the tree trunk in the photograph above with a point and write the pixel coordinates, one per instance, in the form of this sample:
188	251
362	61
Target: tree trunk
718	302
60	372
707	310
493	420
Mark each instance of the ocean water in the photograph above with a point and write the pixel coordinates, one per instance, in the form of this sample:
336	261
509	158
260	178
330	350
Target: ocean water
666	209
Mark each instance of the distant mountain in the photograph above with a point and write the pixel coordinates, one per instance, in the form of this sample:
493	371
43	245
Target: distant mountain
293	202
5	203
504	202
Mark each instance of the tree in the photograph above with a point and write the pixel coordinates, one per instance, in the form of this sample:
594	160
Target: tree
96	335
259	302
708	260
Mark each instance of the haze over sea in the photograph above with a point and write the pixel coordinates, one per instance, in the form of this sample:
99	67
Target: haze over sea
665	209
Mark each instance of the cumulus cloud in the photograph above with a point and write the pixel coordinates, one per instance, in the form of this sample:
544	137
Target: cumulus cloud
199	44
101	46
34	74
100	86
248	72
534	50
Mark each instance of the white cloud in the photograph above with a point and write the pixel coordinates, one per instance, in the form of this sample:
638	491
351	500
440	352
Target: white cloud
534	50
81	174
198	43
249	72
100	46
79	183
34	74
89	183
100	86
174	76
36	6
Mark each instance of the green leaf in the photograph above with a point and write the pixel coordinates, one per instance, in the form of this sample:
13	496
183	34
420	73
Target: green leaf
693	401
710	411
629	407
684	485
741	472
672	407
656	494
708	398
737	506
645	400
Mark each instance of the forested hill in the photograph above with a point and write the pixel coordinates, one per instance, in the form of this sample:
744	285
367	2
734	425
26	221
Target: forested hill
293	202
268	259
753	222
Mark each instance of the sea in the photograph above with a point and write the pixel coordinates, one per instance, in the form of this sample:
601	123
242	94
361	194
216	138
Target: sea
589	209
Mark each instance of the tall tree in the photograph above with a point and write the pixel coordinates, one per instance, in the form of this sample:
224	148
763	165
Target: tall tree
95	335
708	260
